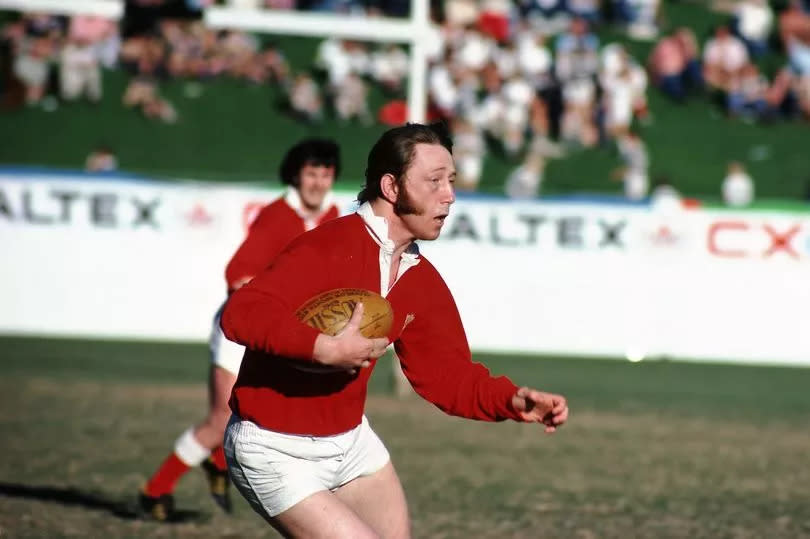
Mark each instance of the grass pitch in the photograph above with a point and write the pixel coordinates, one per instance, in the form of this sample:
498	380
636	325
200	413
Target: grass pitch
652	450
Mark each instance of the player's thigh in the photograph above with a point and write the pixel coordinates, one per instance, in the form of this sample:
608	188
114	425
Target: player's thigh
323	515
286	479
379	500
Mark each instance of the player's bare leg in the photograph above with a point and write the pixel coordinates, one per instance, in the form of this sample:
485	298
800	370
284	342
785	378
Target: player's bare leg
200	445
322	515
211	431
371	506
379	500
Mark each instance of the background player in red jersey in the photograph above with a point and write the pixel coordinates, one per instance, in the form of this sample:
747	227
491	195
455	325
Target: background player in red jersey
299	446
309	169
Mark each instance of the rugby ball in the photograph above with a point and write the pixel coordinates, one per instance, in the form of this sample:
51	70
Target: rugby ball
330	311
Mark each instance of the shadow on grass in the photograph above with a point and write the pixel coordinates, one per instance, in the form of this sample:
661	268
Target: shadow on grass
125	510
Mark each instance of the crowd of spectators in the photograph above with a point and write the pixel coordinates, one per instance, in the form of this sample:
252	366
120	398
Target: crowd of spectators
727	67
528	78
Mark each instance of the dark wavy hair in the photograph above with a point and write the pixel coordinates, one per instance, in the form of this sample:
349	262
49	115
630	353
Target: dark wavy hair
394	151
318	152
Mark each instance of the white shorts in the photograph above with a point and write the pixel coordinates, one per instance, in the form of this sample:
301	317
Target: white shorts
275	471
224	353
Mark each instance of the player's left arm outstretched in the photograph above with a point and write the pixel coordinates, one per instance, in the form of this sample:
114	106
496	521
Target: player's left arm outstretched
538	407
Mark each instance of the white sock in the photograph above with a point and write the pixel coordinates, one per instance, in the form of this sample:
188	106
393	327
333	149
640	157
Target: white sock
189	450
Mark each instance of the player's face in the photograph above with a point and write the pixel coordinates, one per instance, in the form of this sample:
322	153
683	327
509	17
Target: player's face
313	185
427	192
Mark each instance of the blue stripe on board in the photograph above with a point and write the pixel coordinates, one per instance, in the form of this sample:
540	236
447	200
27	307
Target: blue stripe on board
26	171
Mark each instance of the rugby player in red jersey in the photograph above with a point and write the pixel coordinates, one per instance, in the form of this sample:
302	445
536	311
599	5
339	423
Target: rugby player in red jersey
298	445
309	170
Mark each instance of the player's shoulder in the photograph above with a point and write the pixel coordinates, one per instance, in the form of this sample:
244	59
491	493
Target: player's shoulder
273	211
279	205
428	273
337	232
339	226
425	288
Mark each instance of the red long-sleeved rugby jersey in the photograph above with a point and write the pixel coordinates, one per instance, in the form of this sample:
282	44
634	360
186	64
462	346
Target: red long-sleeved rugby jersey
427	334
275	226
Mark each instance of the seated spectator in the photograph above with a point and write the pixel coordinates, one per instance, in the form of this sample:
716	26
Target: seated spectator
667	65
442	88
753	24
801	89
665	198
80	71
351	100
747	94
474	50
638	16
782	95
305	98
505	59
517	95
468	151
794	30
331	59
634	174
723	59
102	159
547	17
101	32
31	66
543	8
579	104
577	63
624	85
43	25
389	68
525	180
576	51
534	59
738	187
276	64
584	9
141	93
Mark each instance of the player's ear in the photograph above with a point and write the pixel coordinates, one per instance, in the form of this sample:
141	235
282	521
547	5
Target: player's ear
389	187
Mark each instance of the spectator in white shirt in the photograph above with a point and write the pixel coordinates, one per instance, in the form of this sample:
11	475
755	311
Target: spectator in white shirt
79	71
738	187
753	24
468	151
723	59
635	172
525	180
624	85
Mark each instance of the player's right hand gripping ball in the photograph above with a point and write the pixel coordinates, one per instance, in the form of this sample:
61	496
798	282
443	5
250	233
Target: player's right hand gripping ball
330	311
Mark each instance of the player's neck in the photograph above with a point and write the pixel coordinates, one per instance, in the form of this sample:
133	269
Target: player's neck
397	231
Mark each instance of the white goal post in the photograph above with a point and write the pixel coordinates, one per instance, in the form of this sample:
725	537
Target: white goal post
417	32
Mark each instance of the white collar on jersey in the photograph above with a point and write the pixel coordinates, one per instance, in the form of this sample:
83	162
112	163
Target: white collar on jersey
293	199
378	229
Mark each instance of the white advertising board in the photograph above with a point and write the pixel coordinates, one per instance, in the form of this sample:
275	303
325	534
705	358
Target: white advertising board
128	258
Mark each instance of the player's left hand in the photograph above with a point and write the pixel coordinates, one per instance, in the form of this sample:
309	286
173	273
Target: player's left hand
538	407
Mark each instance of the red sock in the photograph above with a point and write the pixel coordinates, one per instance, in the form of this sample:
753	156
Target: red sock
218	458
163	481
